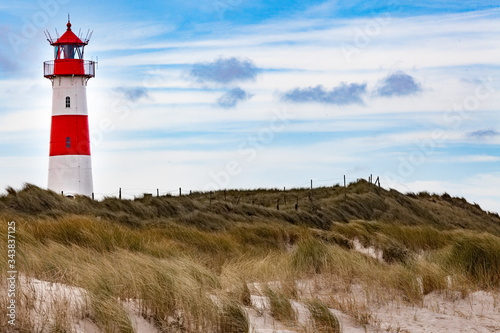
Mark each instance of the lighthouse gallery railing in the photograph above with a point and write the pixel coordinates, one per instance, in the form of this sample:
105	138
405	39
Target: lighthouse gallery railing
88	69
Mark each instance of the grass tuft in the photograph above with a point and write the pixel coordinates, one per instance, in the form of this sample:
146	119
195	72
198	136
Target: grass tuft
245	297
233	319
109	315
311	255
324	321
479	257
281	307
394	252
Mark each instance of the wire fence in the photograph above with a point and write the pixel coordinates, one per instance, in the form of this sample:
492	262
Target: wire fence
135	193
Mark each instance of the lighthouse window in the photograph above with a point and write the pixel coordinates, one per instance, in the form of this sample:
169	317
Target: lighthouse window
69	51
68	142
68	102
57	51
79	51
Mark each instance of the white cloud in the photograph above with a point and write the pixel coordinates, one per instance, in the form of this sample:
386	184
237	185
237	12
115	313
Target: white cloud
479	188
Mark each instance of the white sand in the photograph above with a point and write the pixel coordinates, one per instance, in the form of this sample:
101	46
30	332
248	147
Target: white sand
50	299
369	251
478	312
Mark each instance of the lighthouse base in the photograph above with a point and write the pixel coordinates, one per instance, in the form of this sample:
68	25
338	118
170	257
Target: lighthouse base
71	174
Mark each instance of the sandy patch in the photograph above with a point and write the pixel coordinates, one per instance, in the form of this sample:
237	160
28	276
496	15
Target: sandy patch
478	312
369	251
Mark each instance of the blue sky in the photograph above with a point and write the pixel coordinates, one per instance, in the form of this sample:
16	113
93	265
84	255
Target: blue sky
248	94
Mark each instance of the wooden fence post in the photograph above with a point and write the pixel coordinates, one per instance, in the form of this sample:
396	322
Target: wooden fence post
345	189
311	191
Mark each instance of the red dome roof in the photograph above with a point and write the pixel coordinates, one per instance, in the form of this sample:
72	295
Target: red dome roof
69	38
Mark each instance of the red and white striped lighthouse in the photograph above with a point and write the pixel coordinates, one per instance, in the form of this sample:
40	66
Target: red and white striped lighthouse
70	169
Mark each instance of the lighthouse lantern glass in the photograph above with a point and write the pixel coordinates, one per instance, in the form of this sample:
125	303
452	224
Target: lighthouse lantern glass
69	51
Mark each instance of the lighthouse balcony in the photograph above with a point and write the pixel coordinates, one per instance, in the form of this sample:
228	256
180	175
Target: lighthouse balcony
69	67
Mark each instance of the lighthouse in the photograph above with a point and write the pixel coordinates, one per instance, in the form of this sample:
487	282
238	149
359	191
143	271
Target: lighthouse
70	168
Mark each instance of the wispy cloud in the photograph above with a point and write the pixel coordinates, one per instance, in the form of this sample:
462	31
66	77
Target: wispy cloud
344	94
484	134
225	70
469	159
132	93
398	84
231	98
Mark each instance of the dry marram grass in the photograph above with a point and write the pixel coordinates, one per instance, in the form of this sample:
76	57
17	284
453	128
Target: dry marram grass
189	266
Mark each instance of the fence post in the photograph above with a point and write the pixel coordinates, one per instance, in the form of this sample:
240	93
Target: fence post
92	196
157	192
120	194
284	195
278	204
297	204
180	191
345	189
311	191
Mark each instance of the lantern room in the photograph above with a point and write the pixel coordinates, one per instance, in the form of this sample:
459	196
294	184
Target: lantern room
68	56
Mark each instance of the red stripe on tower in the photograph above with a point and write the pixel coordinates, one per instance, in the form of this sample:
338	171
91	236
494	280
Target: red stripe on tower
69	135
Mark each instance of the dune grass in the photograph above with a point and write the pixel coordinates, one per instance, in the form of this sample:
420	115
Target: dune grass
280	306
324	321
187	265
479	257
232	319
